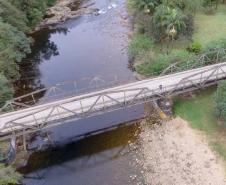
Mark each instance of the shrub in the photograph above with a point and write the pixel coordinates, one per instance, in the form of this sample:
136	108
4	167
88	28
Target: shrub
188	30
8	175
145	6
215	50
220	100
187	64
165	19
6	91
210	6
139	45
195	47
155	67
179	56
217	44
162	61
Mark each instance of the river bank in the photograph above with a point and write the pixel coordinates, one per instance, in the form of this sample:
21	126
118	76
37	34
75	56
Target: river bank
176	154
64	10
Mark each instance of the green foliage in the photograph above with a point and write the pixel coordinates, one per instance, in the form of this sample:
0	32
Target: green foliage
139	45
33	10
155	67
219	148
220	100
5	91
165	20
199	112
210	6
185	5
145	6
34	16
215	50
14	46
50	2
13	16
8	175
161	62
210	3
217	44
17	17
195	47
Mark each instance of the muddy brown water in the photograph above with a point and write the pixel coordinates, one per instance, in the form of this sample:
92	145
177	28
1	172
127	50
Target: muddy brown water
89	47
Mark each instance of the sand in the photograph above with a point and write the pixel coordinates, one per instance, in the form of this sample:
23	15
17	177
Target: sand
175	154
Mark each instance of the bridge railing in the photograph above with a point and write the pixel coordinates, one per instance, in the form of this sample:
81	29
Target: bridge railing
213	56
59	91
53	114
71	88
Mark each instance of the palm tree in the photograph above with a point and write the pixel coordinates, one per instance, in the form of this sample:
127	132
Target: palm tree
168	22
166	19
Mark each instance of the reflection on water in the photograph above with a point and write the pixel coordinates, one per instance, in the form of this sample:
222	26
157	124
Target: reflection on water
89	47
108	159
42	50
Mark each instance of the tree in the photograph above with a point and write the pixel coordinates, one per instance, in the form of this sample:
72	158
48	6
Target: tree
13	16
146	6
17	18
14	45
167	19
210	5
185	5
6	91
220	101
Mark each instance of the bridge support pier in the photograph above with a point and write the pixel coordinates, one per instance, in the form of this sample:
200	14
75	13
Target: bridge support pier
24	141
166	105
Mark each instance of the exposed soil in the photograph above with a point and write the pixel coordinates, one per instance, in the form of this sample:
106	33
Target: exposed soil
175	154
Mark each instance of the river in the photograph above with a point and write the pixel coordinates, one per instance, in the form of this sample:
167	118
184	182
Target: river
91	48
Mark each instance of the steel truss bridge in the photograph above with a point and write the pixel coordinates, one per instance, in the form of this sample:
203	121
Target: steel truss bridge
24	118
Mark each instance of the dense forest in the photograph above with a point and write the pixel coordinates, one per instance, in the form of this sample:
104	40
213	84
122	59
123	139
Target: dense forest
17	19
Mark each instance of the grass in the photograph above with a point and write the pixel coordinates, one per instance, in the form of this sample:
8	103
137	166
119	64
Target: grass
139	45
8	174
199	112
220	148
210	27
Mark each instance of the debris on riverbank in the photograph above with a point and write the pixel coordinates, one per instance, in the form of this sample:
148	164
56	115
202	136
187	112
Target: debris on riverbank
175	154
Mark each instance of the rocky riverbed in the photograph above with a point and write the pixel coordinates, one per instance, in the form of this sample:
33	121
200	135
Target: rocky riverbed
176	154
64	10
67	9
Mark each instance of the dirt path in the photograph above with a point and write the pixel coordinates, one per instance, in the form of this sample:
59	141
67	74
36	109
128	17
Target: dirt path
176	155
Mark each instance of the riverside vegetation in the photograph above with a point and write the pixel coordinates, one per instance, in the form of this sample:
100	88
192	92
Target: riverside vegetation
181	32
17	19
177	32
206	111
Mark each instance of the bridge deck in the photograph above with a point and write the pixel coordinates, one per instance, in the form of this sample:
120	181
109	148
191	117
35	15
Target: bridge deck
77	107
